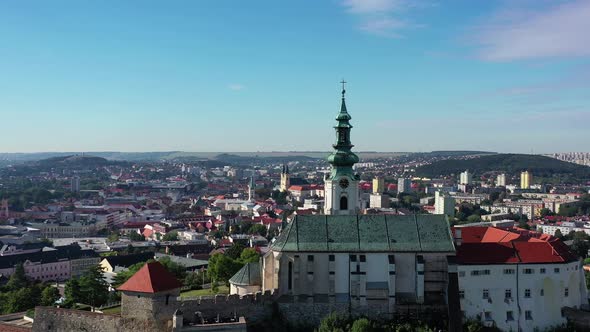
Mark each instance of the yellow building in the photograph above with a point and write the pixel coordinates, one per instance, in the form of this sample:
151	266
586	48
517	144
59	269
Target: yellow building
378	185
526	180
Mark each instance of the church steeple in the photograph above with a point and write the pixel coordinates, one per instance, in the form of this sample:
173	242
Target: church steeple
343	157
341	186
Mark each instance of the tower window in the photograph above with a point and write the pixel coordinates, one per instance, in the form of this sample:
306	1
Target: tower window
343	203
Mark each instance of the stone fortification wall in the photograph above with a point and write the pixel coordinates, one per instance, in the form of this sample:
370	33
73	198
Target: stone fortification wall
49	319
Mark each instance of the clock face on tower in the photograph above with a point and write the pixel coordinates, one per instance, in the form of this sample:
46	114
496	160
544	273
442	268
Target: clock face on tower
344	183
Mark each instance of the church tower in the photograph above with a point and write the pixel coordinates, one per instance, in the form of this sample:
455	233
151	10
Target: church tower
285	178
341	186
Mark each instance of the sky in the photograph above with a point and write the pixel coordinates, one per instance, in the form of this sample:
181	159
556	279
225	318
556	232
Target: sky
218	75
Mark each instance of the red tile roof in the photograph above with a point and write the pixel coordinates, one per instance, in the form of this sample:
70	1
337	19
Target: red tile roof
490	245
151	278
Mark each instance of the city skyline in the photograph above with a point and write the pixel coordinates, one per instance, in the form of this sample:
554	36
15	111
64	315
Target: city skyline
215	76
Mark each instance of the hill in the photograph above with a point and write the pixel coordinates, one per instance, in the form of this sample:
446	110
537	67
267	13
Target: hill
74	160
512	164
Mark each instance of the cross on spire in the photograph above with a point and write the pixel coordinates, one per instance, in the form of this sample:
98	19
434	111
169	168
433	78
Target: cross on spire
343	91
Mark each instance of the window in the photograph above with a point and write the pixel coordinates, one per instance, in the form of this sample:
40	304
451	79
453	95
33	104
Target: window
508	271
461	274
509	315
461	294
566	292
488	315
343	203
486	272
528	315
363	258
528	271
556	270
527	293
543	270
486	294
310	258
542	292
331	258
508	293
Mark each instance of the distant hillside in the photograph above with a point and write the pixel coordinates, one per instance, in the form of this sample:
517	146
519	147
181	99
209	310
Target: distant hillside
75	160
541	166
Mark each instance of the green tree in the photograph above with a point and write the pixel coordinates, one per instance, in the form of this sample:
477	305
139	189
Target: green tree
580	247
93	287
222	267
362	325
113	237
258	229
235	250
178	270
333	323
249	255
474	218
134	236
18	279
22	299
558	234
49	295
170	236
72	293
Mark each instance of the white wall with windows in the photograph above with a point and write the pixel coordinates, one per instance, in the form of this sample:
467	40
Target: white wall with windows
521	296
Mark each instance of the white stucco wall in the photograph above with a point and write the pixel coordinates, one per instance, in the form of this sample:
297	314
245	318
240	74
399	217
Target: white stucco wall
547	293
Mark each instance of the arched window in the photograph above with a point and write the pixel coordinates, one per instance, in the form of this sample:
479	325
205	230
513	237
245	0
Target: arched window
343	203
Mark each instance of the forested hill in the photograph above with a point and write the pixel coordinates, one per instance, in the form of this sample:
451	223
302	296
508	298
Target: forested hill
512	164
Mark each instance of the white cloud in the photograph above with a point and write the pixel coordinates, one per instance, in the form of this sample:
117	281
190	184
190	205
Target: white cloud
557	31
382	17
236	87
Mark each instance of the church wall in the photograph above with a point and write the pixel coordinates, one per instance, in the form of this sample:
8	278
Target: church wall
377	267
342	274
405	278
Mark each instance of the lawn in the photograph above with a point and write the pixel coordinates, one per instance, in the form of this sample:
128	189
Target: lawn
205	292
112	311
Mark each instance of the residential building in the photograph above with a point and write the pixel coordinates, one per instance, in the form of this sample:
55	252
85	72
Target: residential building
75	184
526	180
517	280
465	178
444	204
378	185
404	185
501	180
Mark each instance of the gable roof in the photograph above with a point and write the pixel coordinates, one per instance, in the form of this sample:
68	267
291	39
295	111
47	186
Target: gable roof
366	233
128	260
151	278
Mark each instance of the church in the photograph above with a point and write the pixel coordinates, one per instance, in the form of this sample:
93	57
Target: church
375	265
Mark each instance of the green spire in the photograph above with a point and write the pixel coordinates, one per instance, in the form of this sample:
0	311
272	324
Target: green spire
342	159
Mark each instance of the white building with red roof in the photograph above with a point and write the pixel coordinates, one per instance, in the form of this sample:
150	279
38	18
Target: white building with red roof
517	280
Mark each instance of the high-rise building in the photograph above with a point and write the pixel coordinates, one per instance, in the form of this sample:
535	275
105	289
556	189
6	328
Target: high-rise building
378	185
465	178
444	204
251	188
342	184
75	184
501	180
404	185
526	180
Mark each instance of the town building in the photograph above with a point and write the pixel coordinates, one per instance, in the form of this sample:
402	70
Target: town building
75	184
501	180
526	180
444	204
517	280
465	178
404	185
378	185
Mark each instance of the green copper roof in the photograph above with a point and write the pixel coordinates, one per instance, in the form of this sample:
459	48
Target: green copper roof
248	275
343	158
366	233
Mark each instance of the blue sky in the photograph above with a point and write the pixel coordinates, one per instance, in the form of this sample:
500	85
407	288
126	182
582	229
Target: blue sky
508	76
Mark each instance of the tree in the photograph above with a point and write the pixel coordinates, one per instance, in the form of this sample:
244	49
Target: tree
361	325
558	234
72	293
258	229
249	255
235	250
93	287
333	323
474	218
22	299
134	236
222	267
178	270
170	236
580	247
18	279
113	237
49	295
